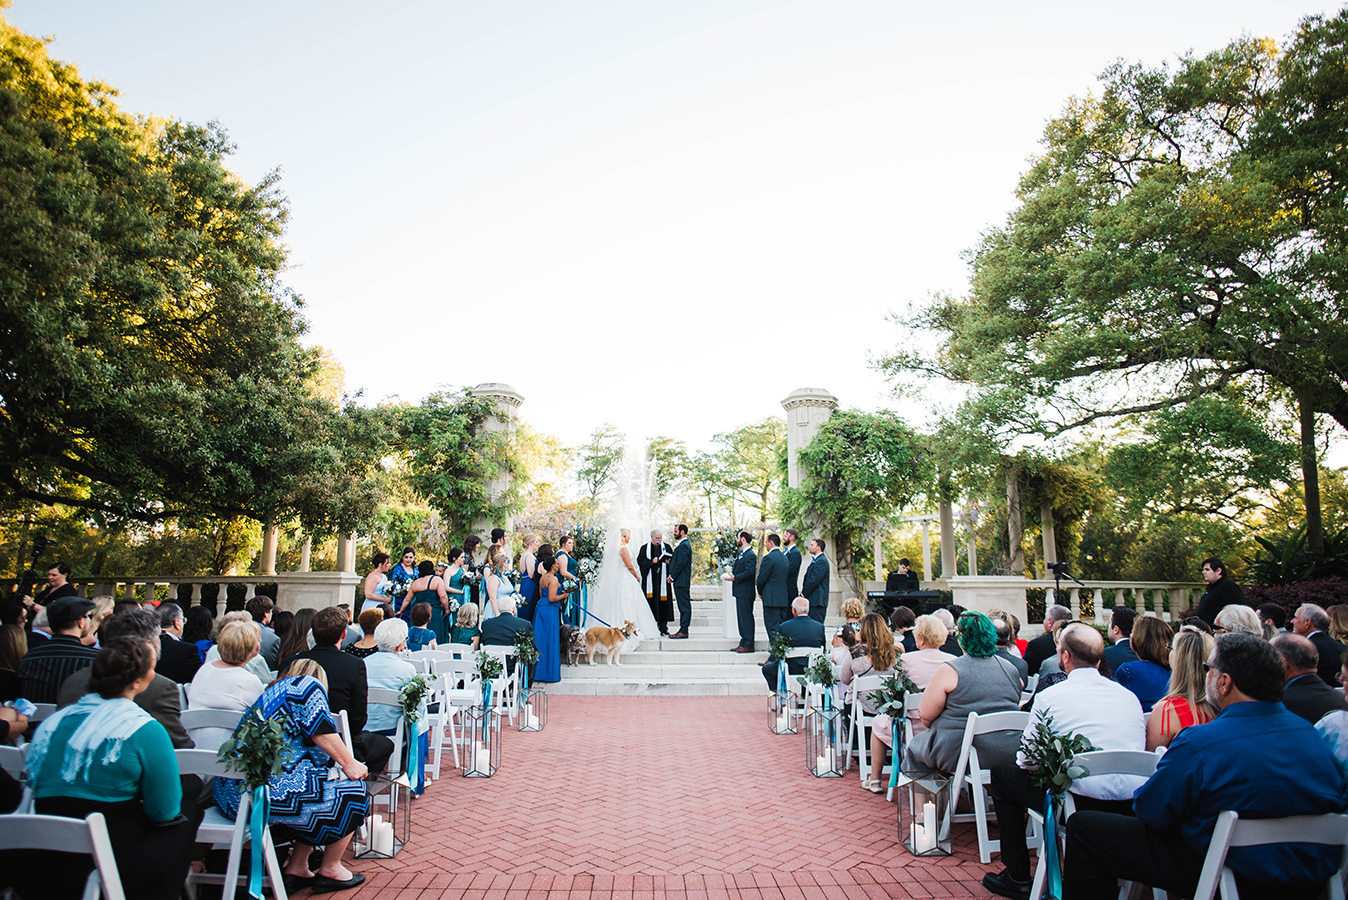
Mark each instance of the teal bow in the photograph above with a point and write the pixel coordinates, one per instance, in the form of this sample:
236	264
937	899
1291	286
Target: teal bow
895	731
1051	846
257	829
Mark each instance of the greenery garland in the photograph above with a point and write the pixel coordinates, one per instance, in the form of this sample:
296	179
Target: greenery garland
412	695
893	692
780	646
526	651
257	750
488	666
1049	755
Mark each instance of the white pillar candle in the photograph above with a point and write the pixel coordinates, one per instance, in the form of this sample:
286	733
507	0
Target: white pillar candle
383	838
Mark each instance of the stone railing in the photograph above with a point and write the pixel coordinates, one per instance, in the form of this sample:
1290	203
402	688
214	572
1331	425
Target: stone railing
294	590
1166	599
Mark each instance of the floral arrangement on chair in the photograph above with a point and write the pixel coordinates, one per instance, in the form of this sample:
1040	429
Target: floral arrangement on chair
526	652
257	750
412	695
890	700
1049	759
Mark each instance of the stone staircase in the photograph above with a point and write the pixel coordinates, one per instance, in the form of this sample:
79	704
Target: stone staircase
702	665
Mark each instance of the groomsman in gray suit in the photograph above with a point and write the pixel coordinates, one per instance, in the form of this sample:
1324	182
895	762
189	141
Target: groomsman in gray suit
815	586
793	574
772	586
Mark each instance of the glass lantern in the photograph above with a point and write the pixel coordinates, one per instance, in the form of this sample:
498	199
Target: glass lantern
825	735
781	712
387	829
481	755
927	797
533	713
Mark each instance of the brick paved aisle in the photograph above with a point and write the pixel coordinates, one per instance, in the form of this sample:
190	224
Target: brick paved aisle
659	798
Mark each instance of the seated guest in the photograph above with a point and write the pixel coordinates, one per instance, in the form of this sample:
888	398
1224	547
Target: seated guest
1333	727
1044	647
367	646
317	811
256	664
281	621
347	688
1004	636
197	630
47	664
353	631
951	644
1273	617
160	698
226	683
13	647
1120	632
264	613
852	611
12	724
419	636
465	630
1239	619
1255	758
901	622
979	681
844	642
1185	702
1305	694
386	671
1088	704
177	660
107	755
921	664
802	631
300	636
1312	622
1050	670
1148	676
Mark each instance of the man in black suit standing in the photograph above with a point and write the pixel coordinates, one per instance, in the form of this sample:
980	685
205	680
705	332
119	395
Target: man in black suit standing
1042	647
1121	633
1305	694
772	586
348	687
746	564
1221	592
802	631
794	575
681	579
815	585
653	559
177	660
1312	622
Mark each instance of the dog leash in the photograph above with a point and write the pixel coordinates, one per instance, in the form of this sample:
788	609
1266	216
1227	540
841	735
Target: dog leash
597	619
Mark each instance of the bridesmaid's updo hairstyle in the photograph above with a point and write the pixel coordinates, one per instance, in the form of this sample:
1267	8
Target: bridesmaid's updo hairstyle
454	554
425	567
545	562
118	665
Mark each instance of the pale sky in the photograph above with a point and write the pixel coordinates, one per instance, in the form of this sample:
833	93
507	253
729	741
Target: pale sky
667	214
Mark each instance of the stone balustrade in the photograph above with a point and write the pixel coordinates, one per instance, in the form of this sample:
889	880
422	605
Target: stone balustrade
294	590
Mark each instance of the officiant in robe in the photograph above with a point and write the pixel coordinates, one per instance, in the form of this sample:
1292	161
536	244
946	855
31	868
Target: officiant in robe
653	560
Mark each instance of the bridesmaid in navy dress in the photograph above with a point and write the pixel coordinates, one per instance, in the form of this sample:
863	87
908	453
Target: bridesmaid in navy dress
548	623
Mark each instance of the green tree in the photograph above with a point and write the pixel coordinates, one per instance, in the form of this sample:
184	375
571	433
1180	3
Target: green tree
1152	261
858	468
599	461
747	465
668	460
150	362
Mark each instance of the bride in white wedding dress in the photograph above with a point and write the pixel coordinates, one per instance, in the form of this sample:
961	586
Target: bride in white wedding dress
618	596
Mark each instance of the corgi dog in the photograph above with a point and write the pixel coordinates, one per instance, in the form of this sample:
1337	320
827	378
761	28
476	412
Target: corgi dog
610	640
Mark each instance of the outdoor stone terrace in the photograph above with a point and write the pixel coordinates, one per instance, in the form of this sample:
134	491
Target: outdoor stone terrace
659	798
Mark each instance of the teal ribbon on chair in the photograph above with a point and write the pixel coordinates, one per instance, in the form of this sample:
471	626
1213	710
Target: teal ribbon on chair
1051	862
895	731
486	711
257	830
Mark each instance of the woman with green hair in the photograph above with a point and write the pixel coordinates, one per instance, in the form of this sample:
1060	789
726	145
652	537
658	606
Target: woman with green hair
979	681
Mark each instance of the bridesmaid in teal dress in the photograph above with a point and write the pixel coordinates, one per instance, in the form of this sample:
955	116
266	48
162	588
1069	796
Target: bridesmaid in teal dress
456	577
429	589
548	622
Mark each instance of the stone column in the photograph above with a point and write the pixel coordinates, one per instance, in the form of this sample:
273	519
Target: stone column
267	562
927	573
306	551
1015	522
346	553
947	540
1050	539
508	401
806	410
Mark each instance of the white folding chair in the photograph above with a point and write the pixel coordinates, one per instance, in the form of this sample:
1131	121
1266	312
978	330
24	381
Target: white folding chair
1233	831
14	760
505	689
384	697
911	701
457	651
1098	762
462	690
857	740
805	656
970	773
87	838
194	719
218	830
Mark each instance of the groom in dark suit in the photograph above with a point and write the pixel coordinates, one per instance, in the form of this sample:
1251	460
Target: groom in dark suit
681	579
772	586
652	559
746	564
816	580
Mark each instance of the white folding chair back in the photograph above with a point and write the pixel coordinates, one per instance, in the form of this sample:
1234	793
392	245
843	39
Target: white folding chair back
505	689
970	773
88	837
216	829
857	741
183	691
14	760
343	724
1233	831
457	651
911	701
42	711
384	697
211	718
1033	682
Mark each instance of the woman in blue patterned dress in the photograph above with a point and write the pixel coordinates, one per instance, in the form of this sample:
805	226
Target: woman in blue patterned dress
317	811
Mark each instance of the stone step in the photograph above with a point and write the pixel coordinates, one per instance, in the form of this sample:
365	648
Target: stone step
655	672
668	687
721	655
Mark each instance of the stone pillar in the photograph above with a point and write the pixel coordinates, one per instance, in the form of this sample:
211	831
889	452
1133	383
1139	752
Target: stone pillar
306	551
927	574
267	562
973	556
947	540
1050	539
1015	523
806	410
508	401
879	551
346	553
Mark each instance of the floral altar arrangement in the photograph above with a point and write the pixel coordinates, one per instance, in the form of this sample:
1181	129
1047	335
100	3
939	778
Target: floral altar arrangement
257	750
1049	759
725	549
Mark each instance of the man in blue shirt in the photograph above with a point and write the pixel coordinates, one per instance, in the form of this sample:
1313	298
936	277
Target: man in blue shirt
1255	757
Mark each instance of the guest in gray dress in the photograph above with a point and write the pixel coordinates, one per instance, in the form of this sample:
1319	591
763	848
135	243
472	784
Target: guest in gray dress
979	681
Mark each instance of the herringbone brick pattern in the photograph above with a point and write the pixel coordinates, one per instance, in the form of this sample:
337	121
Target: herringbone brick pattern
654	798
